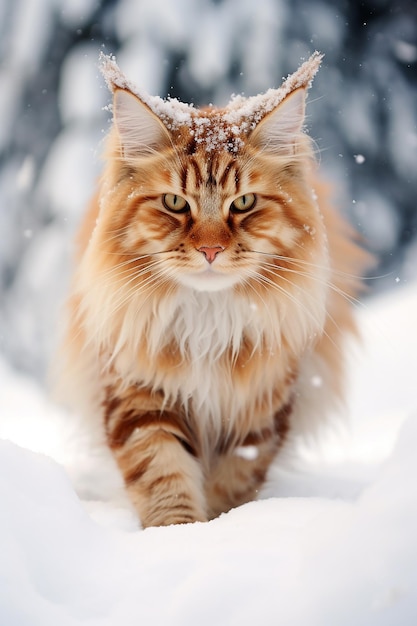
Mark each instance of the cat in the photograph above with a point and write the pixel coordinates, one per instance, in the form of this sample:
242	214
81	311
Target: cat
212	295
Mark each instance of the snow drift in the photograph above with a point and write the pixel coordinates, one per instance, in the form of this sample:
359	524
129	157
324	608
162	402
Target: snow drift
331	541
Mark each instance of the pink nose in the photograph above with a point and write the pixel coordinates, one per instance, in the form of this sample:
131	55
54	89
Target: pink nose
210	252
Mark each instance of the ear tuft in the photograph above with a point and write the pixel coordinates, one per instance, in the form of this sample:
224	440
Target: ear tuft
279	130
141	132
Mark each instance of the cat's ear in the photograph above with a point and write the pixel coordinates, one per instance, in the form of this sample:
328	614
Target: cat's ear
279	130
141	132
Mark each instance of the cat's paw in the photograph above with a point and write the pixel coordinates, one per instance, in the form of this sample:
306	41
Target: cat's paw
171	518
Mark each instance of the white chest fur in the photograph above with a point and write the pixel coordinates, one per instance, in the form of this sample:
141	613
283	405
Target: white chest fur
204	326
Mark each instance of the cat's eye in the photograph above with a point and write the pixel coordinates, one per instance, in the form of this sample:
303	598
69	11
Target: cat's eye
174	203
243	203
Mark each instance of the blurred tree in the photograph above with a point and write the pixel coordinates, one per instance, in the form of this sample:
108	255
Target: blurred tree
362	113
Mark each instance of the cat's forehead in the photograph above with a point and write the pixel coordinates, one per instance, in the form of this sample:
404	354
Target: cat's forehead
210	171
210	131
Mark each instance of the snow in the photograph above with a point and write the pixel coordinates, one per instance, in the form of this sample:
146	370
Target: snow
172	111
240	114
331	541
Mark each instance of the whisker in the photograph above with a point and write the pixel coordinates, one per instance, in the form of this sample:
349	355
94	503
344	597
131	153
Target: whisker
270	267
248	285
125	295
326	283
147	289
265	280
134	259
317	266
121	269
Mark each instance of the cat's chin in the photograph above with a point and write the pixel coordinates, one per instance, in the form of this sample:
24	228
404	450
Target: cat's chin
208	280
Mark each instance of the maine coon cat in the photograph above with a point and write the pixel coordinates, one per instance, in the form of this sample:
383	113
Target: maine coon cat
212	292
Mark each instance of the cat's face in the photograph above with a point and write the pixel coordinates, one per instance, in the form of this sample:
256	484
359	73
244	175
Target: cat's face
212	199
210	208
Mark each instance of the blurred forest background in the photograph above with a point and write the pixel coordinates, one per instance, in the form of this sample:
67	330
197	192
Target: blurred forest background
362	113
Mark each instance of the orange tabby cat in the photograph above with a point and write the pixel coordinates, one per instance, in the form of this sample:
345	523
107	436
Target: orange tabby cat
212	292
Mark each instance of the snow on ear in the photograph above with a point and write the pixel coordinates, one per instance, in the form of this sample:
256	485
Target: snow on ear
141	132
278	131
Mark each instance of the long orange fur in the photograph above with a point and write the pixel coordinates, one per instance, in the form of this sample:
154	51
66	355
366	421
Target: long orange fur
194	335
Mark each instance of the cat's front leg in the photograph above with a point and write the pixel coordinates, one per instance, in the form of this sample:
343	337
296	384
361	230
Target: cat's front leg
156	456
240	470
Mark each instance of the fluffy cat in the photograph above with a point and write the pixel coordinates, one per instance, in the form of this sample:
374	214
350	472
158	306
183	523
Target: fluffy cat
212	291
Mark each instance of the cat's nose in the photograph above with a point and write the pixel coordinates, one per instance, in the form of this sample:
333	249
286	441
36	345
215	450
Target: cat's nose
210	252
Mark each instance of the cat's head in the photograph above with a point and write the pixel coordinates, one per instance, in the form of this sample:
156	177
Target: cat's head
215	198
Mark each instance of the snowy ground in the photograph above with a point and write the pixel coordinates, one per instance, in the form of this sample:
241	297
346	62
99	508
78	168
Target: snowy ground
333	542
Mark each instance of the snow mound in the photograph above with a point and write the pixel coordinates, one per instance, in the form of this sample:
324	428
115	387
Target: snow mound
331	541
295	560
